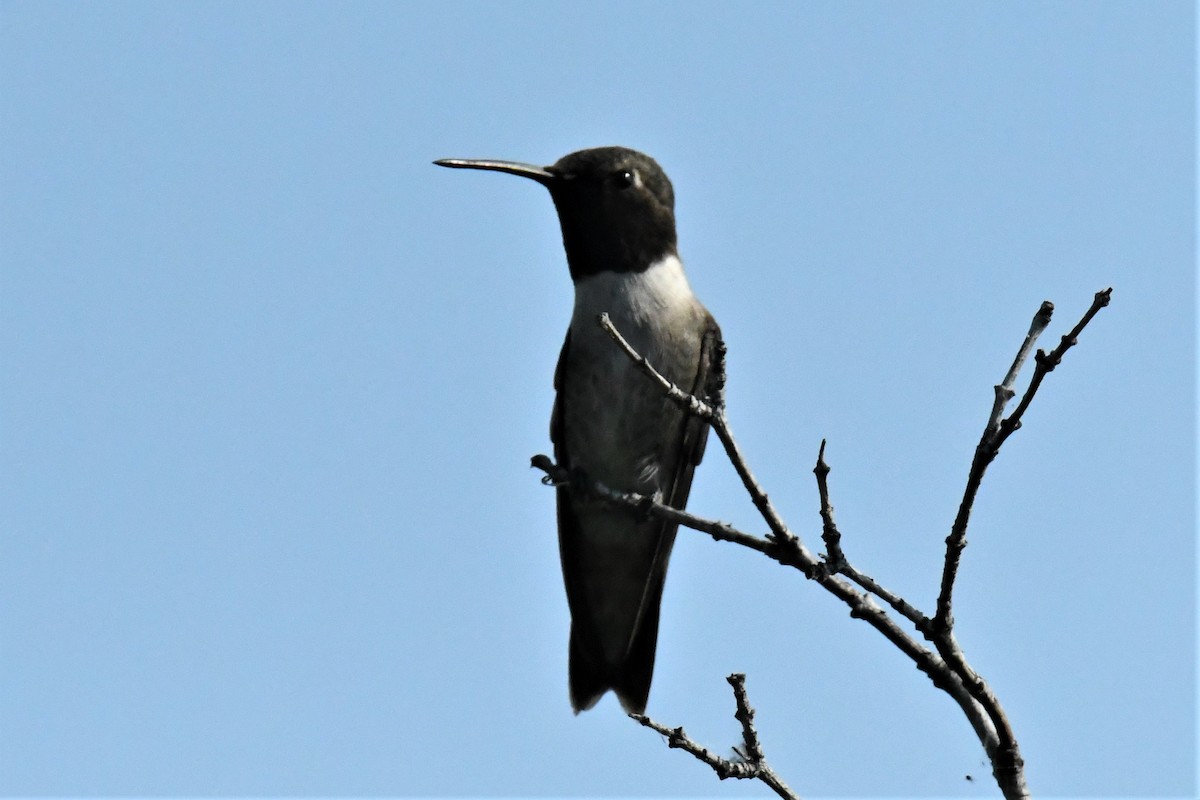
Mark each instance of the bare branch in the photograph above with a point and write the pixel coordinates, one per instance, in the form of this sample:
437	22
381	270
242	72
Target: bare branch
1008	767
715	416
1046	363
688	402
677	738
829	531
947	668
752	764
745	715
645	504
902	606
787	548
1007	763
995	433
1004	389
836	561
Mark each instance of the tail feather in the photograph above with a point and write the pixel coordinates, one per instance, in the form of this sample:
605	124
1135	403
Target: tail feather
590	677
632	681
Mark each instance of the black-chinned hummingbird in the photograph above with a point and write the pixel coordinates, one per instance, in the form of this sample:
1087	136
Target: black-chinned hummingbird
610	422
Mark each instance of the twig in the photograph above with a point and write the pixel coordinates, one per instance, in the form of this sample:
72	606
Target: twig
829	531
752	764
835	559
1007	763
1046	363
995	433
645	504
1004	390
688	402
947	668
715	417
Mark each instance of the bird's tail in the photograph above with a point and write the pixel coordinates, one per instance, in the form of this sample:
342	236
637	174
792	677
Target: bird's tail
592	677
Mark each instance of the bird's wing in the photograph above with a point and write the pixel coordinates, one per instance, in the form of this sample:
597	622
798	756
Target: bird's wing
695	431
633	683
691	452
556	436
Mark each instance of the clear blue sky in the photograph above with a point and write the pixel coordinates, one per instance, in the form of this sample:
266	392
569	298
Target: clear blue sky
271	382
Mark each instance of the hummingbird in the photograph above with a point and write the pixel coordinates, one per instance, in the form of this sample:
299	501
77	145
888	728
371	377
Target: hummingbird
610	423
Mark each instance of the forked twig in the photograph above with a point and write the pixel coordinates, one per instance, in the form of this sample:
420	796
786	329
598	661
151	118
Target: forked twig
751	764
997	431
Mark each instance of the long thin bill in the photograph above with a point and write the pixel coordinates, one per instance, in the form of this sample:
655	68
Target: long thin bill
538	174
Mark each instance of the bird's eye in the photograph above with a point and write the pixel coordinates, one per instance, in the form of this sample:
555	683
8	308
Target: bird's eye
623	178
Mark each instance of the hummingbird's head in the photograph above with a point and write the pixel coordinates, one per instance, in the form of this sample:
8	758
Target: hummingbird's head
616	206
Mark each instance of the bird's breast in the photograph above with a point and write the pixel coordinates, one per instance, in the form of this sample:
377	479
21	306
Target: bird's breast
619	426
653	309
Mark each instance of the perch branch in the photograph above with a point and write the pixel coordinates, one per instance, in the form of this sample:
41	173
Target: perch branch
715	417
945	665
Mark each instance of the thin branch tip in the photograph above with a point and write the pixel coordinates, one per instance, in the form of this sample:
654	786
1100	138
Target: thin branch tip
821	469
